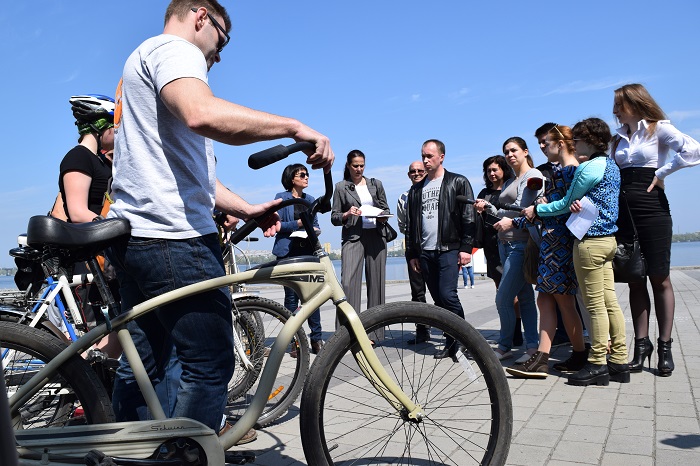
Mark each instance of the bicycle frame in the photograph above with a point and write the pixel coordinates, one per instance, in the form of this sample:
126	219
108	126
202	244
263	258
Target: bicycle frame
314	280
53	293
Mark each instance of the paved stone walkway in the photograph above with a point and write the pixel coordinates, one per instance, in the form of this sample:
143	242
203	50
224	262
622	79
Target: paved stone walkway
652	420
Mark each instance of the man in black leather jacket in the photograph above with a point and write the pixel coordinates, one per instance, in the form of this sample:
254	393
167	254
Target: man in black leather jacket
440	232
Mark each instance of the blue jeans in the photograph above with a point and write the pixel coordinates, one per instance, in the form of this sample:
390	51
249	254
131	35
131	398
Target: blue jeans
198	326
513	284
468	272
291	301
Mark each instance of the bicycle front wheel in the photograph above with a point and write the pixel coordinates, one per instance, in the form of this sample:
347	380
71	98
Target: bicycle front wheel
292	372
73	396
466	404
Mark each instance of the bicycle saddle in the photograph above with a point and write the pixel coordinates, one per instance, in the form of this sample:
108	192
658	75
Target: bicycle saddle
88	238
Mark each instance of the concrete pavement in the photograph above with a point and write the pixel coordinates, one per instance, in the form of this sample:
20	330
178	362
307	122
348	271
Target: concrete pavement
652	420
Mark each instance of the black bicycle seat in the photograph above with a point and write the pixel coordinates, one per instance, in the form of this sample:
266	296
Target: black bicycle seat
87	237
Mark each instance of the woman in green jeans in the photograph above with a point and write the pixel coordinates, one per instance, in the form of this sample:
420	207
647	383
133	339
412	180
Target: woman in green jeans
598	179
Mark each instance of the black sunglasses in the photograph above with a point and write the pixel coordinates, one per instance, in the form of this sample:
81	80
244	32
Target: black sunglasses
216	24
416	172
302	175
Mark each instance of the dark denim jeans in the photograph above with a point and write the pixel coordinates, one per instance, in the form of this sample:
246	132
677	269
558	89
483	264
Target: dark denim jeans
291	302
199	326
440	271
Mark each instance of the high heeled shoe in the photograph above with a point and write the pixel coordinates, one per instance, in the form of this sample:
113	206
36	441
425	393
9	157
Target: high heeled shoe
666	365
642	349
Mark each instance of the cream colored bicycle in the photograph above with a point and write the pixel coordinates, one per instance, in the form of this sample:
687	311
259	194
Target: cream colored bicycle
393	403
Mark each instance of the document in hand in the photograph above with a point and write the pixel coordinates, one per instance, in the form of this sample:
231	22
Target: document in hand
580	222
371	211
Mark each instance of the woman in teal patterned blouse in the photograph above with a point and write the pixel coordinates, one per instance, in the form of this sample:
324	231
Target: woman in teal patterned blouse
599	180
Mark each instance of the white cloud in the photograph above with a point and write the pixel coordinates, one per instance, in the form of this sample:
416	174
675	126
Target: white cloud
72	77
415	97
460	93
575	87
680	115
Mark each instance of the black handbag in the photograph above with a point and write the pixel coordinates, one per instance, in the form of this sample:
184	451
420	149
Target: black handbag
629	264
388	232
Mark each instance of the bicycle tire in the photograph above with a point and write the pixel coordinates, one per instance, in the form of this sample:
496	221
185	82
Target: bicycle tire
250	334
12	313
74	395
467	406
292	373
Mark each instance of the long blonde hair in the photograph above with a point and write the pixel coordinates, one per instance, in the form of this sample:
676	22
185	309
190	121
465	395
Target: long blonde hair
636	100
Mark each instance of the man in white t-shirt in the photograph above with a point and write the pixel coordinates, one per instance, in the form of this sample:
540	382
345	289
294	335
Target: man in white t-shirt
440	232
165	184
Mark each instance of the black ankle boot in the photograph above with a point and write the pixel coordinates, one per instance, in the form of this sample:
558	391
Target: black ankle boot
666	365
591	374
642	349
619	372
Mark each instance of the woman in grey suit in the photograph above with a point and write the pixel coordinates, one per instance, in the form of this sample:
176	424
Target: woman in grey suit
363	237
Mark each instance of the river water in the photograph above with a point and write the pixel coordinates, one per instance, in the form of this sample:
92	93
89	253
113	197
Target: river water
682	254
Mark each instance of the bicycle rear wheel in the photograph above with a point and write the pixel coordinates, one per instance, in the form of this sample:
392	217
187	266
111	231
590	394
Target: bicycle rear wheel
74	395
467	412
250	336
292	372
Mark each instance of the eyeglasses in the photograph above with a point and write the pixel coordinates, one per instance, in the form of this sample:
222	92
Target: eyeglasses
416	172
302	175
220	46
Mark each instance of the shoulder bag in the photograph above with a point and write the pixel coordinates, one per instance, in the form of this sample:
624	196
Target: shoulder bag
629	264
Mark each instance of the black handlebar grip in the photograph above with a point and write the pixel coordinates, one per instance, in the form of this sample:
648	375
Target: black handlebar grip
240	234
273	154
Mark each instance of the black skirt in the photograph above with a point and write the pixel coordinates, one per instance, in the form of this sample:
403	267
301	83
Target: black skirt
652	217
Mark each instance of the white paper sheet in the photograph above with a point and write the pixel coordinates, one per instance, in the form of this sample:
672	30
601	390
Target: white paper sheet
299	234
373	212
580	222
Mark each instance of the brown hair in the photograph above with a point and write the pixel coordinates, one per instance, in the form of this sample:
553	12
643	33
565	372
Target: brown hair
636	100
520	142
593	131
181	8
563	134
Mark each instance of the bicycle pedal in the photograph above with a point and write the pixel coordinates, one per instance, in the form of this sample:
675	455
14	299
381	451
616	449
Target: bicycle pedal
239	457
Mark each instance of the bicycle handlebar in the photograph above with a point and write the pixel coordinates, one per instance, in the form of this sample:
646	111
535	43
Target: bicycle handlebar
275	154
261	159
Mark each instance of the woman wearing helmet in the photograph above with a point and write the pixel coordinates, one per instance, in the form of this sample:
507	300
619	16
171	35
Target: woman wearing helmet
85	171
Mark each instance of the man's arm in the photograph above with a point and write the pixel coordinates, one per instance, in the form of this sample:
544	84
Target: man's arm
467	219
232	204
193	103
401	206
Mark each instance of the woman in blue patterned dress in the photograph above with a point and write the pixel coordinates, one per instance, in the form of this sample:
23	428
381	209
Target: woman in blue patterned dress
599	180
556	278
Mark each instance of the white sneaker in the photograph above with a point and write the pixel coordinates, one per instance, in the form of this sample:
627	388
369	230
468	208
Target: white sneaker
472	287
525	356
465	287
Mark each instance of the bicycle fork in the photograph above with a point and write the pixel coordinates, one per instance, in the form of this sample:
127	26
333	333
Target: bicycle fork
373	369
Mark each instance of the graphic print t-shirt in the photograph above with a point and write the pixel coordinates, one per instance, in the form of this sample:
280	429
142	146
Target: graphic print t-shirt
431	196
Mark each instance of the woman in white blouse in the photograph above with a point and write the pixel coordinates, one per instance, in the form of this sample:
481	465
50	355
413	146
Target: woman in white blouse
364	238
648	148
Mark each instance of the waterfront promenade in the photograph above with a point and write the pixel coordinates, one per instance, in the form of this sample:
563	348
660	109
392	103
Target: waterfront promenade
651	420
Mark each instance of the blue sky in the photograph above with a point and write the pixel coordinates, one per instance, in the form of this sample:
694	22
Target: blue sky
377	76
